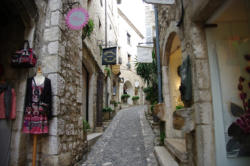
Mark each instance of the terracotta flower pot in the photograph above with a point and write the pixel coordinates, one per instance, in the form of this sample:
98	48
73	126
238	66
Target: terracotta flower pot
159	111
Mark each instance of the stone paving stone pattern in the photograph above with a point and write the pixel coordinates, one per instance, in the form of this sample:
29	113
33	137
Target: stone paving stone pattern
128	141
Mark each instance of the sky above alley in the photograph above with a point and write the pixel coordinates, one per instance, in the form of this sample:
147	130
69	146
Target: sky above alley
134	10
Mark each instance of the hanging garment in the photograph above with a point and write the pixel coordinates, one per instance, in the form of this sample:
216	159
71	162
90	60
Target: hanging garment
7	102
7	112
37	109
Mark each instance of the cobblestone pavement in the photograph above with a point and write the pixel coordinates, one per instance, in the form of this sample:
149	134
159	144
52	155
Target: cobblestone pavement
128	141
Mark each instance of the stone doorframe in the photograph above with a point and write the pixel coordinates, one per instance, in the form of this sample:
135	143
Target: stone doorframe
200	145
92	83
170	132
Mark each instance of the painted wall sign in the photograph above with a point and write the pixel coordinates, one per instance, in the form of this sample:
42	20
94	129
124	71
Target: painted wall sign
164	2
109	56
77	18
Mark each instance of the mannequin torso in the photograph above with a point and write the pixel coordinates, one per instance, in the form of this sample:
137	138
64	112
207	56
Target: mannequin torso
39	79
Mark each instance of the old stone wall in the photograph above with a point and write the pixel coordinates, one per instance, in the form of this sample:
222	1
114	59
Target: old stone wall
193	43
61	54
61	63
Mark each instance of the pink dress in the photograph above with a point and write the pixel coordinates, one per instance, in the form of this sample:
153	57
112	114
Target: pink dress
35	117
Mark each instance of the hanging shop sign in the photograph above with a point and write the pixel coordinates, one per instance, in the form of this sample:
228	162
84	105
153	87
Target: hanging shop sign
144	54
77	18
116	69
109	56
164	2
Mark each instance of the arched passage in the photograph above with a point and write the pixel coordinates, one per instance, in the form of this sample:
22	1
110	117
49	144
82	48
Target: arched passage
128	89
175	61
172	80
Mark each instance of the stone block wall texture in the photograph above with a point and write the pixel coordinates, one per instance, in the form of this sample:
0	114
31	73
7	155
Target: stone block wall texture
193	43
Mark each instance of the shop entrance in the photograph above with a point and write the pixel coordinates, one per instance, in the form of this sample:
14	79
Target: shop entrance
99	99
128	89
173	62
229	52
85	93
16	26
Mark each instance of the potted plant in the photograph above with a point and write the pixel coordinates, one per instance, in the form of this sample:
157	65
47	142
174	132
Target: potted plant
106	111
114	103
119	104
107	72
135	99
125	97
88	29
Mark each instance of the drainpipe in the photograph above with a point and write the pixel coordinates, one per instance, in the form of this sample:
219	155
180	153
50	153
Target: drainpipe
106	29
158	55
106	45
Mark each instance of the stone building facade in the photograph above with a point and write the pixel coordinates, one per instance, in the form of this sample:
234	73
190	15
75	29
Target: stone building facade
203	31
72	64
129	38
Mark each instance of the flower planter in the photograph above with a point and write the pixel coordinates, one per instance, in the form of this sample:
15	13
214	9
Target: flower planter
125	100
183	119
135	102
159	111
106	116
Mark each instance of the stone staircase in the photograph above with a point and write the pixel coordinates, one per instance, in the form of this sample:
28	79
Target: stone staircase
164	157
174	153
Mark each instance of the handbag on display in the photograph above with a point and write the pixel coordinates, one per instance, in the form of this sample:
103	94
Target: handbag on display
24	58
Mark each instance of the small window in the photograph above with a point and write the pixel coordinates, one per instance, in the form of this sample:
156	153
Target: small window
119	2
128	38
101	3
129	59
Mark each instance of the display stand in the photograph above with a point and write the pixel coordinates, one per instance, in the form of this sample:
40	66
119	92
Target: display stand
34	150
39	78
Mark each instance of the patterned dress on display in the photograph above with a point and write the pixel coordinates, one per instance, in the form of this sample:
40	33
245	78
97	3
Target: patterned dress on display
35	115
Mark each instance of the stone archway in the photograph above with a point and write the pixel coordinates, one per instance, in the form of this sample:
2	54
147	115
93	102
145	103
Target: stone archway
171	81
128	89
175	61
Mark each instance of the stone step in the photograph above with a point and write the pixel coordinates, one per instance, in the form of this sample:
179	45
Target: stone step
99	129
177	147
92	138
164	157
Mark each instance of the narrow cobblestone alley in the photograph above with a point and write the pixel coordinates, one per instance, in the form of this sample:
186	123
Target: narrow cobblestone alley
128	141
